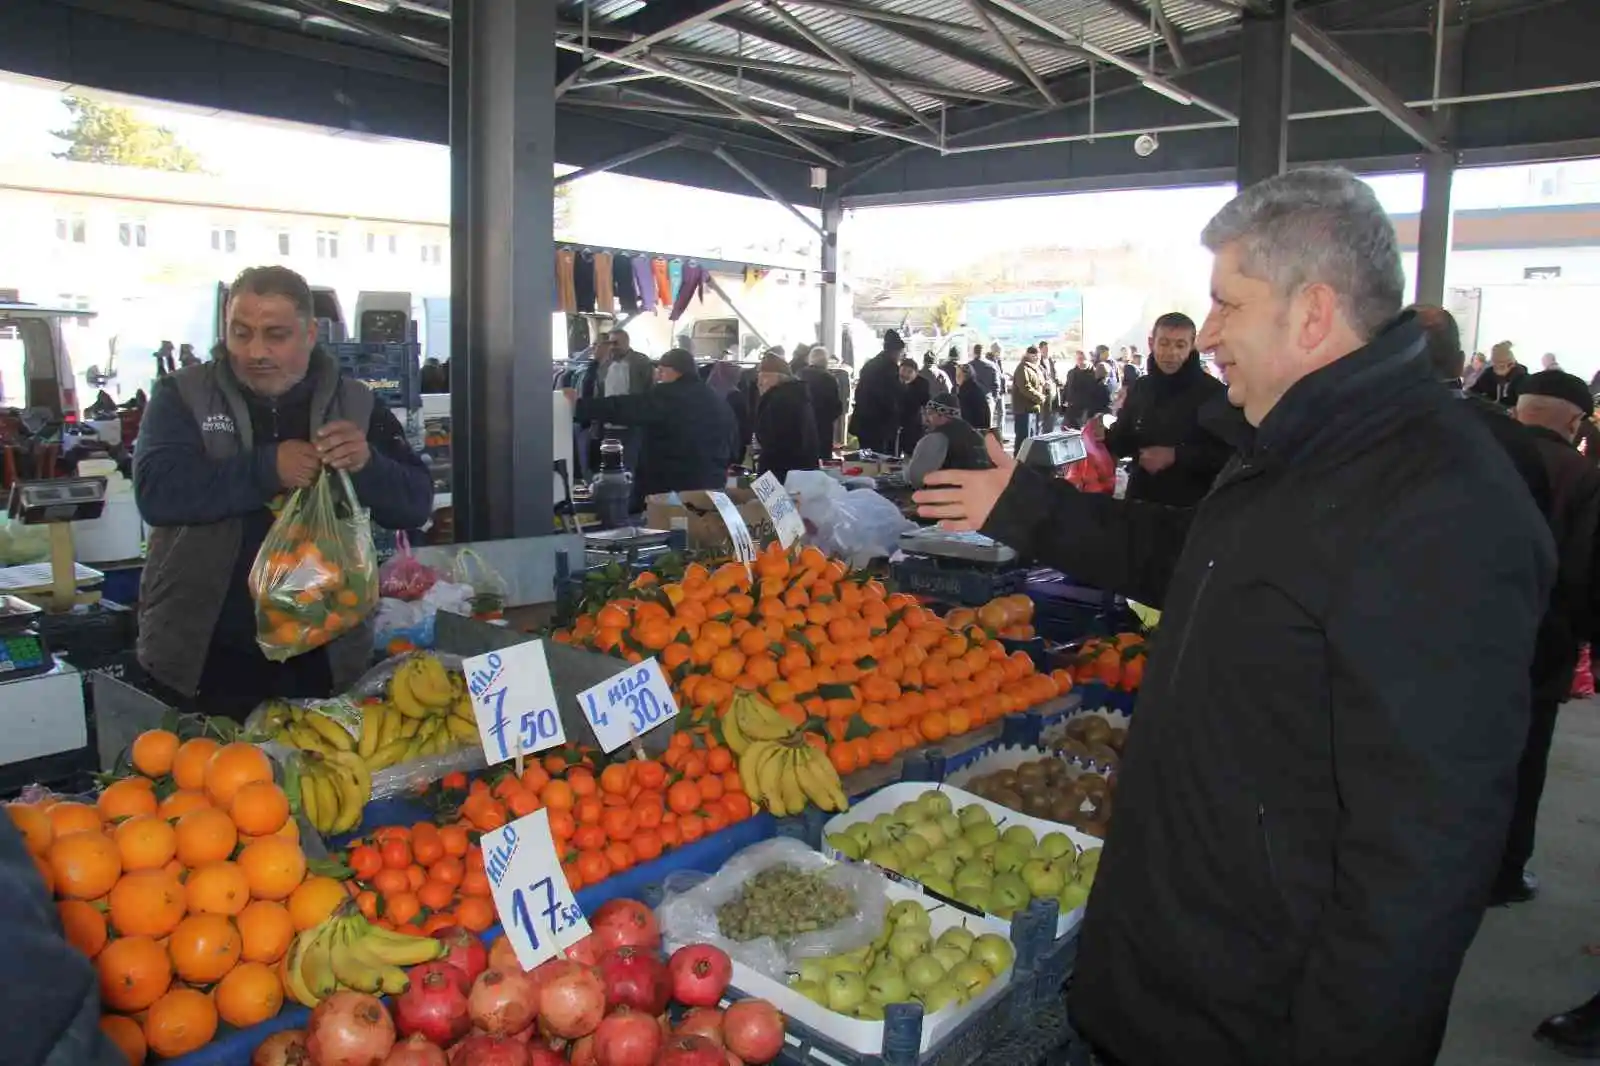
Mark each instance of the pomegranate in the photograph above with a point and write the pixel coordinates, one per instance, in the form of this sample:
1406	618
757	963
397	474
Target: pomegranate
466	953
691	1050
703	1021
700	974
627	1038
548	969
587	951
416	1050
540	1055
625	923
481	1049
502	1001
349	1029
286	1048
572	1003
753	1030
434	1004
582	1051
502	956
635	978
733	1060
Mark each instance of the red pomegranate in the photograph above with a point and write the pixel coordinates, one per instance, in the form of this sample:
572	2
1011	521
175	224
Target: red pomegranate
466	953
572	1003
627	1038
691	1051
700	974
635	978
753	1030
434	1004
625	923
502	1001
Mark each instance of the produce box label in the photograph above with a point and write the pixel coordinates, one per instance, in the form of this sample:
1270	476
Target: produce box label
536	905
514	701
785	517
629	704
744	548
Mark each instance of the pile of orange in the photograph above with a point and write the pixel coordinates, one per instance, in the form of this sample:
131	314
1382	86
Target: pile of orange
420	879
869	674
184	883
1117	662
1004	616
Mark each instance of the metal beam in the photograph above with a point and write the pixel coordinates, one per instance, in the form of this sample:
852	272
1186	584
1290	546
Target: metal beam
933	39
1331	56
1264	53
621	160
802	90
705	13
1004	41
761	120
711	283
1169	33
849	63
772	194
437	52
828	327
1438	174
937	26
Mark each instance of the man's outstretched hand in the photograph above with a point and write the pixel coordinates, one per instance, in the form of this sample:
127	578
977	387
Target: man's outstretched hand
963	499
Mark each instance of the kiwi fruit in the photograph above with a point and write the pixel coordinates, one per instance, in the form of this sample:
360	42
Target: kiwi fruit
1096	730
1104	756
1117	739
1007	797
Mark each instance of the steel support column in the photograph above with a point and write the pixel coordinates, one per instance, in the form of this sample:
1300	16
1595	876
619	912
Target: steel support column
828	330
502	127
1438	174
1265	42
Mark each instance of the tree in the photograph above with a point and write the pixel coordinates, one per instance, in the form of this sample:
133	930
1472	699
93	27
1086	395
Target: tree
564	212
947	314
106	133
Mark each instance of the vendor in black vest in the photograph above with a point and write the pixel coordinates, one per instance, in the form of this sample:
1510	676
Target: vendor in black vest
218	443
948	444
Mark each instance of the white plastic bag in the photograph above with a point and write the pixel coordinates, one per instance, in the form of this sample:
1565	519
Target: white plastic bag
865	526
690	916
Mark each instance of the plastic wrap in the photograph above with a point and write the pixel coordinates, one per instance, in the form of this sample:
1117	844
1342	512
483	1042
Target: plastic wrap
314	577
489	588
865	526
405	577
408	776
690	916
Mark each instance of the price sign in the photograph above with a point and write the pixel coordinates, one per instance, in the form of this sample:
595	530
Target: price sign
629	704
744	548
776	499
514	701
536	905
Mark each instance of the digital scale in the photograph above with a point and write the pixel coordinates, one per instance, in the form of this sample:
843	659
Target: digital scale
22	648
1054	451
967	569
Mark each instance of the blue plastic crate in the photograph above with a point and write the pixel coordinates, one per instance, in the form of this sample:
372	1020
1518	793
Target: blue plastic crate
392	371
960	584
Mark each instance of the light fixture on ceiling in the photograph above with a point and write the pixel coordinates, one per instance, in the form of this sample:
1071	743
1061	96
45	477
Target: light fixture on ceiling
1171	92
823	120
382	7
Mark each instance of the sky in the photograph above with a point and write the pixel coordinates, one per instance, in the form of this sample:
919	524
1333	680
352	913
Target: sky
620	211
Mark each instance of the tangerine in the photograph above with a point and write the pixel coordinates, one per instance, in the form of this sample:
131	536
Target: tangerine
259	808
233	766
204	947
145	842
248	995
181	803
147	903
84	926
127	1035
84	865
205	836
273	867
314	901
154	751
134	972
265	931
179	1022
126	798
217	888
189	763
72	817
34	825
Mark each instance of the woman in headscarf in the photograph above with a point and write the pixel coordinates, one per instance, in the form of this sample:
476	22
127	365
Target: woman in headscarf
723	379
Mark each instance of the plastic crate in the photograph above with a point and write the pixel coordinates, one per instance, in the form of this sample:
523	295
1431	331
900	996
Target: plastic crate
392	371
1064	611
960	584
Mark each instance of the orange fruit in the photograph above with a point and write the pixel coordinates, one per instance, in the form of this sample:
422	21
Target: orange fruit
147	903
205	836
153	752
146	842
273	867
134	972
232	767
189	762
217	888
265	929
315	899
181	803
71	817
259	808
34	825
84	926
179	1022
84	865
127	1035
126	798
204	947
249	995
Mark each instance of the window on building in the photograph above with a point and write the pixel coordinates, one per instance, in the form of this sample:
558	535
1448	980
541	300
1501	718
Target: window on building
385	243
327	244
131	233
71	229
224	239
73	302
283	242
432	253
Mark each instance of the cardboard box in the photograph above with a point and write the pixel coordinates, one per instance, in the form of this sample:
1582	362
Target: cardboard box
703	527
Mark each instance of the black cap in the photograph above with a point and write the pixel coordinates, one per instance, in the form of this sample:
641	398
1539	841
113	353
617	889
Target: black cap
680	360
1562	386
944	403
892	341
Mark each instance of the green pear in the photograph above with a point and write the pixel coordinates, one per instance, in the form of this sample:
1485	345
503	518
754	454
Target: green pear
868	1011
1009	894
1009	857
914	847
1054	846
961	849
949	825
929	831
994	952
948	955
972	814
1089	860
908	914
974	896
936	883
849	963
846	992
1044	877
909	813
980	834
1072	896
972	875
861	833
907	944
812	990
970	977
942	862
1020	835
942	995
923	972
936	802
957	937
845	844
886	983
889	856
815	971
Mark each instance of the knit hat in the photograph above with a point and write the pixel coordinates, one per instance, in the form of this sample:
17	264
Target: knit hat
772	363
680	360
892	341
1562	386
944	404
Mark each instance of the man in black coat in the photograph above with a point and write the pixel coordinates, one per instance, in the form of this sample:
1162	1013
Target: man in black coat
1176	458
1502	382
826	403
786	426
1080	392
914	394
688	429
875	417
1314	801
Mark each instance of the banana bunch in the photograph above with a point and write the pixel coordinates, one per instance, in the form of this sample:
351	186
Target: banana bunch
784	774
306	728
390	736
421	687
333	790
347	951
751	718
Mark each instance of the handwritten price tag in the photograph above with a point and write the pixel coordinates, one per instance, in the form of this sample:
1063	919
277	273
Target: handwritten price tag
531	894
514	701
744	548
629	704
776	499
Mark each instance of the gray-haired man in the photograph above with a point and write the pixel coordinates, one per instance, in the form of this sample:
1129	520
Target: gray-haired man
1315	799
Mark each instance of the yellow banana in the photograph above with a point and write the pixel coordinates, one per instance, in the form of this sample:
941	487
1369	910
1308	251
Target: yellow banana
354	787
794	797
389	729
331	732
291	970
358	968
328	800
737	742
819	780
464	732
316	962
429	682
749	762
397	949
371	729
388	755
462	708
769	773
310	801
758	719
306	738
411	726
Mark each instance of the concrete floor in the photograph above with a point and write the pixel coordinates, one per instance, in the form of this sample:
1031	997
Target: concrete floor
1529	961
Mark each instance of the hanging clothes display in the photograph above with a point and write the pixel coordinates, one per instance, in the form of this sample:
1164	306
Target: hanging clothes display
566	295
622	282
644	282
693	280
583	281
752	275
605	298
663	276
675	274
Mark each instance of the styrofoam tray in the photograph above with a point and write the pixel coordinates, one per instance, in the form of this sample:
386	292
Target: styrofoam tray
867	1037
886	799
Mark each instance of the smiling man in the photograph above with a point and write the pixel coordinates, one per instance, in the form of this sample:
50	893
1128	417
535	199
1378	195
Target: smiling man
1314	800
219	441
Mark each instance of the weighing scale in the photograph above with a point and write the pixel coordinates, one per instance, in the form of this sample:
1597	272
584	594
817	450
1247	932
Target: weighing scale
968	569
1054	451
